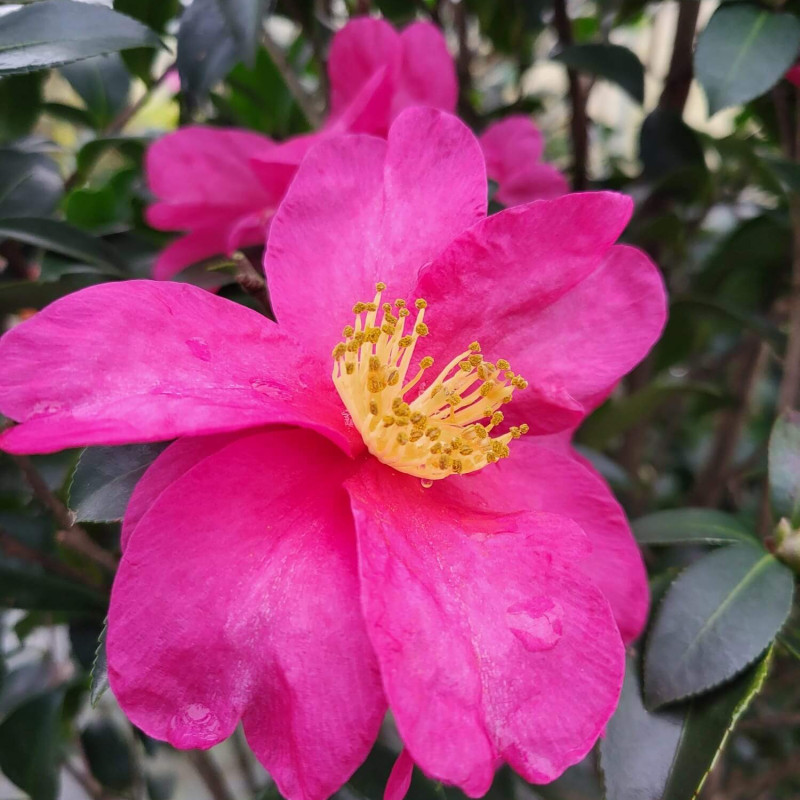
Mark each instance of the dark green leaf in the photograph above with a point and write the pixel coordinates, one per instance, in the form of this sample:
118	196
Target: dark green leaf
784	467
25	585
155	14
99	679
717	617
787	172
207	49
61	237
105	479
103	83
610	61
108	753
744	51
54	32
29	294
666	755
245	20
132	147
30	746
668	144
160	786
30	184
20	103
690	526
25	683
79	117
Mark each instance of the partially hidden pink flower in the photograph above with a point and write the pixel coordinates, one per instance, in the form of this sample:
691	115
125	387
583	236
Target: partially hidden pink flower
346	522
513	148
222	186
793	75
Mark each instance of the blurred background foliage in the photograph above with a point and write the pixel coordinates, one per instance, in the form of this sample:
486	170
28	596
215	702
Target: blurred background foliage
702	130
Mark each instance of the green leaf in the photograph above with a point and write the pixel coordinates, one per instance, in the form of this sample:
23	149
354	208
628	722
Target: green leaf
610	61
155	14
784	467
26	682
132	147
103	83
690	526
667	144
108	753
717	617
98	684
30	184
245	21
25	585
20	104
666	755
207	49
30	746
61	237
105	479
744	51
79	117
38	294
54	32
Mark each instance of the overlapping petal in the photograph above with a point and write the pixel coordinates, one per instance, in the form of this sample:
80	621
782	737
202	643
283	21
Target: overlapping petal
217	617
148	361
362	210
542	286
556	480
492	646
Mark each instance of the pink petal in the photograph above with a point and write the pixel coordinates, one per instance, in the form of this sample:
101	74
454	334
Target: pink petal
496	281
509	145
190	249
556	480
253	615
492	645
535	182
793	75
146	361
358	51
361	210
400	777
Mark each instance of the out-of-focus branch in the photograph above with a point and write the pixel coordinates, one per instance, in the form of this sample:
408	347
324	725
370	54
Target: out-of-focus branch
71	535
463	63
577	95
211	774
92	788
679	77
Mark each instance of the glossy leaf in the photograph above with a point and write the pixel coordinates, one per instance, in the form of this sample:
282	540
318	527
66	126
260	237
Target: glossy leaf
54	32
18	295
20	104
25	585
668	144
610	61
30	184
207	49
717	617
744	51
105	479
30	747
155	14
61	237
26	682
667	755
103	83
784	467
245	21
99	678
690	526
108	754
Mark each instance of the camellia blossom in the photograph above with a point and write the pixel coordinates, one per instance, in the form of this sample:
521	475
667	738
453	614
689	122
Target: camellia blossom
361	510
222	186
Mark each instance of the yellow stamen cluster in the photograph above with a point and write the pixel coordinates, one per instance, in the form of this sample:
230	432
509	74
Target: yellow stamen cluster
440	429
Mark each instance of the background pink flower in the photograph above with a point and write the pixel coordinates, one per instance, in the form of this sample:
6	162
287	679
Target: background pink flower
463	605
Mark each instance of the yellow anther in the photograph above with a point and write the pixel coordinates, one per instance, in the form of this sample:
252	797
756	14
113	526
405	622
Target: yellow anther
436	448
403	312
464	366
480	430
484	373
373	408
466	450
380	286
339	350
348	331
374	363
515	432
497	417
426	362
400	303
358	308
475	359
406	341
475	347
457	466
401	421
402	438
490	458
349	368
421	328
373	335
486	389
433	433
417	418
375	384
371	306
420	303
454	400
444	461
503	364
360	337
415	435
387	308
388	328
524	428
393	378
388	420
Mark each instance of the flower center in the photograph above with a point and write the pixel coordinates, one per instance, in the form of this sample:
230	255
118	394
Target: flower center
433	430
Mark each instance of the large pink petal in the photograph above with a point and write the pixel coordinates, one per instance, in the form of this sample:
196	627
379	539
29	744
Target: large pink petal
234	600
358	51
362	210
493	645
147	361
427	74
559	482
499	278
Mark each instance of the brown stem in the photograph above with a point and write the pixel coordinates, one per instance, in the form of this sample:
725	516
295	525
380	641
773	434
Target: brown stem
679	77
301	96
71	536
463	63
128	113
577	96
92	788
211	774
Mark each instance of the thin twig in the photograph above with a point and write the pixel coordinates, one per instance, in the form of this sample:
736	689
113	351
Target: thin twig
679	77
578	97
129	112
245	761
71	535
301	96
211	774
92	788
463	63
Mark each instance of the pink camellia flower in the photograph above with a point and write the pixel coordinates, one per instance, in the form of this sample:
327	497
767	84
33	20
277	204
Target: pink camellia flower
223	186
346	521
793	75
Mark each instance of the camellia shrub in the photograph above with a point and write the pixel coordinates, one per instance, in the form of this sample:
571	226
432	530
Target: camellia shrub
399	398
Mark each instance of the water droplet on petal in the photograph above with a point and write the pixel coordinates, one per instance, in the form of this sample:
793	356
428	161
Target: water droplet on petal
537	623
194	725
199	349
426	483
